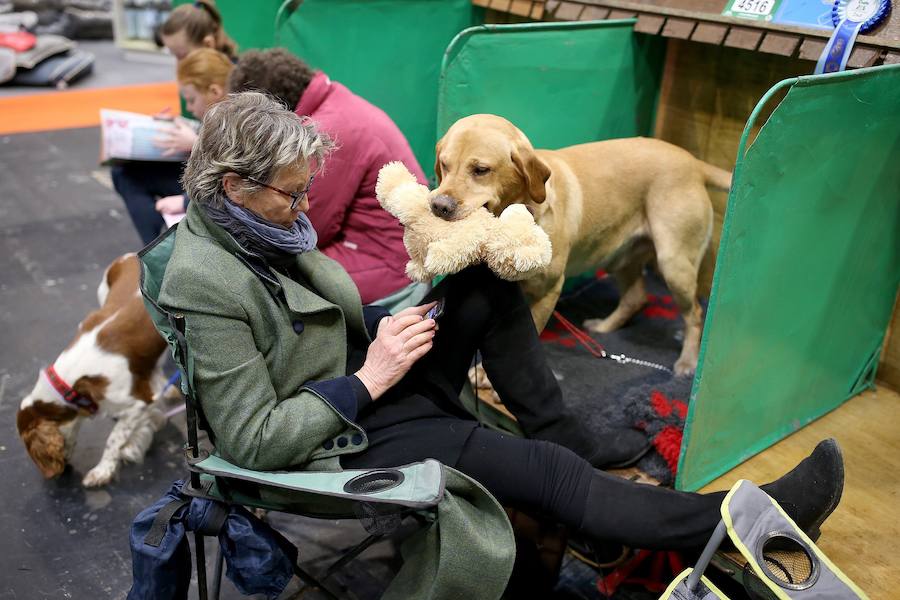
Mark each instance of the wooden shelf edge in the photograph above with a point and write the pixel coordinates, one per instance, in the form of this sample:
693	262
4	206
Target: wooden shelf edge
772	38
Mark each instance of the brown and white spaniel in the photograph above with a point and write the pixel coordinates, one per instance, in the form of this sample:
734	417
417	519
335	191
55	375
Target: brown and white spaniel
111	368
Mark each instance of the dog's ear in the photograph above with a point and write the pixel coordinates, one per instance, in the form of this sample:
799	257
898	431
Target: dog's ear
534	172
38	427
92	386
437	161
46	447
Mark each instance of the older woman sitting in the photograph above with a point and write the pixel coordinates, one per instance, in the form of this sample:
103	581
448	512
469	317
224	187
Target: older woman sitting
294	373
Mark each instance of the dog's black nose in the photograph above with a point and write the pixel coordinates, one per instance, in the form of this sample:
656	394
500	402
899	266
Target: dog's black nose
443	206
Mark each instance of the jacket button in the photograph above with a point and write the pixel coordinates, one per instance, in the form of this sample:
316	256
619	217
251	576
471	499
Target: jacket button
298	327
328	444
356	439
342	442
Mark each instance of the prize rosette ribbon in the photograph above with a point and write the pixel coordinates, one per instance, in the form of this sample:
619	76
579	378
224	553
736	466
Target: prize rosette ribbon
850	18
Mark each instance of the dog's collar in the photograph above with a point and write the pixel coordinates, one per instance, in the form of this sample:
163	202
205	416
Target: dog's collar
66	392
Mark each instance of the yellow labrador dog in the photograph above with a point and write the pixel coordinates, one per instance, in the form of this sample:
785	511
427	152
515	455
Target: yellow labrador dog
615	204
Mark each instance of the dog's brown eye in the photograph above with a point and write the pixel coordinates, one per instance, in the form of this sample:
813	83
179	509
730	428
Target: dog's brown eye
479	170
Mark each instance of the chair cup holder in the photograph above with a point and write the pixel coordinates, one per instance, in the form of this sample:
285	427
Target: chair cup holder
787	561
373	482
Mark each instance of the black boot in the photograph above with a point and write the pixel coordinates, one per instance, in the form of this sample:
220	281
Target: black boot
619	448
812	490
655	518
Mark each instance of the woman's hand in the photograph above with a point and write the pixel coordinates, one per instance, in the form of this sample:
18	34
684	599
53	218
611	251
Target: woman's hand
170	205
401	340
178	138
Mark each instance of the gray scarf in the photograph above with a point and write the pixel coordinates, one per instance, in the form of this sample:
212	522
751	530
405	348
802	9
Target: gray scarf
273	242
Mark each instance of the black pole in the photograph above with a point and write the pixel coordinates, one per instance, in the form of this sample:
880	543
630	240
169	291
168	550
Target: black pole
189	398
217	575
200	551
193	450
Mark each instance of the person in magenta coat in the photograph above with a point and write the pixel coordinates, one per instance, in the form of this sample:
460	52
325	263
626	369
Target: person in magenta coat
353	229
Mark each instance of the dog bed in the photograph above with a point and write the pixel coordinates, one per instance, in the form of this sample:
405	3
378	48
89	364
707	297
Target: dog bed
60	70
7	64
607	394
45	46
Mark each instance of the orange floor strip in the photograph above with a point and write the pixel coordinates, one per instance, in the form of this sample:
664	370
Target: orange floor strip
81	108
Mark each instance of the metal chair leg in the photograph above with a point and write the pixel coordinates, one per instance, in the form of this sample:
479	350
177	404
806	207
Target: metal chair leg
352	553
312	582
200	551
217	577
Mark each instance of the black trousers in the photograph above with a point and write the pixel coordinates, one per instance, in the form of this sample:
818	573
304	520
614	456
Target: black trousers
140	184
421	418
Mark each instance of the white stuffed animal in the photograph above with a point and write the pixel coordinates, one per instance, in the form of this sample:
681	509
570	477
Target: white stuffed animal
512	245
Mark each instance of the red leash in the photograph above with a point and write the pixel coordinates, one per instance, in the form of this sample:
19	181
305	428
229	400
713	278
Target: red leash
592	345
598	351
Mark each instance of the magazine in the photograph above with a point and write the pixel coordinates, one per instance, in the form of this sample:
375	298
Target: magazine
129	136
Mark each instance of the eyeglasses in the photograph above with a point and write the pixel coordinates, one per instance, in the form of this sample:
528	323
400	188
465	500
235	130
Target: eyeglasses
296	197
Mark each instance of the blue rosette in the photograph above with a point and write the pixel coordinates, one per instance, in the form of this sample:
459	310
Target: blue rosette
850	18
879	14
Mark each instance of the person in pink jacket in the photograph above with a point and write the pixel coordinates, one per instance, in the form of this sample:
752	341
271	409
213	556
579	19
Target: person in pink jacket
352	227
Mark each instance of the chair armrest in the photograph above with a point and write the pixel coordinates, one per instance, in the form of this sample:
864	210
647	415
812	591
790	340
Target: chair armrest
417	485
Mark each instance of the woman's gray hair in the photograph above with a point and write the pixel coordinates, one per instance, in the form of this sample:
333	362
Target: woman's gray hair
252	135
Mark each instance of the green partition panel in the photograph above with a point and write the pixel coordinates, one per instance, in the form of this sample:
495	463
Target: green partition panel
250	24
560	83
808	268
387	51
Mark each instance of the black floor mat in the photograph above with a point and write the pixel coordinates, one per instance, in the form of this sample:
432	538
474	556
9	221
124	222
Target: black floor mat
607	394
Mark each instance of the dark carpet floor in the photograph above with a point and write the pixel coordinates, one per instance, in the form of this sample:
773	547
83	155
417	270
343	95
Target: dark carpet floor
608	394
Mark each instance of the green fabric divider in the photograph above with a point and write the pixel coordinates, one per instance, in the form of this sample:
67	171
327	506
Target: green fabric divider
387	51
250	24
808	268
560	83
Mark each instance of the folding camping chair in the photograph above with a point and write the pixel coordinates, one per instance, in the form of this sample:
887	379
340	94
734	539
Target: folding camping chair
775	560
380	498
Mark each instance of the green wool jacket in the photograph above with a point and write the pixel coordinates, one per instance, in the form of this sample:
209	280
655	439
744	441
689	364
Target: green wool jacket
260	386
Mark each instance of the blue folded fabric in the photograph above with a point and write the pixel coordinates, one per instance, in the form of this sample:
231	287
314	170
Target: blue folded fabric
258	559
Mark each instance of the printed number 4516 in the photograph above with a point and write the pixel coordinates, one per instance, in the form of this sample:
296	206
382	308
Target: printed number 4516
755	7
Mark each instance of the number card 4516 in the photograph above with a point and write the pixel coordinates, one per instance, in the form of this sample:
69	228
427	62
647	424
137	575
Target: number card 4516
752	9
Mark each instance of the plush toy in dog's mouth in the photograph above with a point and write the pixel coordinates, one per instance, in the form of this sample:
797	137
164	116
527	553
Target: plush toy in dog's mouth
444	207
449	208
444	236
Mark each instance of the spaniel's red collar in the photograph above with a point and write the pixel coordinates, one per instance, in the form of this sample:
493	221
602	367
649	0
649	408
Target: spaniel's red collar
67	393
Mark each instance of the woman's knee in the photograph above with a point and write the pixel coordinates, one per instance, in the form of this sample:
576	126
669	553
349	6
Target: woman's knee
565	476
479	285
528	474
